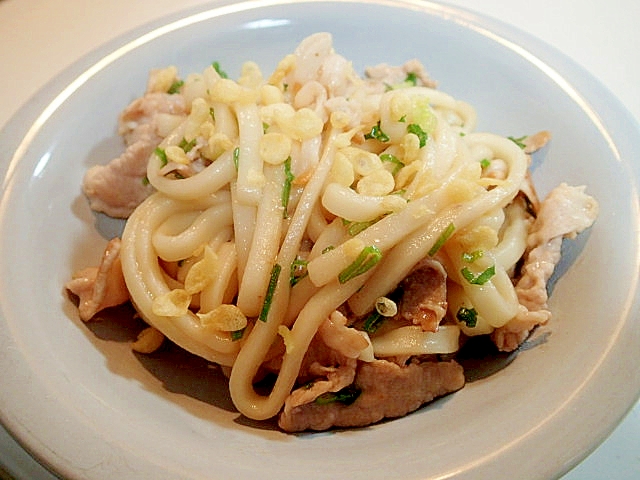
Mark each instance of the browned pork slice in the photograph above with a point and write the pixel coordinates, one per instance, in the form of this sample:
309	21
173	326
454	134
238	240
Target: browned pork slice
565	212
119	187
329	364
386	390
329	379
535	142
100	287
424	298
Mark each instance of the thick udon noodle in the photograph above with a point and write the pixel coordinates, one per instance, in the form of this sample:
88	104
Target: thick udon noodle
252	217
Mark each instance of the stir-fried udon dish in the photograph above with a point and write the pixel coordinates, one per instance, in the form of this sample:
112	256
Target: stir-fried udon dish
339	235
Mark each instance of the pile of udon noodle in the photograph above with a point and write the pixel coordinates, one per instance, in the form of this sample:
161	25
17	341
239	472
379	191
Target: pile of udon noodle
341	235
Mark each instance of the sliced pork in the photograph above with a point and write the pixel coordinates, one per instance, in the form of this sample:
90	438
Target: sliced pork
565	212
119	187
424	297
383	74
381	389
100	287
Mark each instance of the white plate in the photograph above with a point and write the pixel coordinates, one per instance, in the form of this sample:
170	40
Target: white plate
85	406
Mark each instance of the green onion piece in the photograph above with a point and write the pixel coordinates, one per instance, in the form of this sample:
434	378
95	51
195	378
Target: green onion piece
216	67
444	236
161	155
265	127
355	228
402	119
412	78
175	87
346	396
268	298
482	278
145	181
519	141
286	189
397	164
377	134
212	114
187	146
366	260
419	132
473	256
327	249
485	162
469	316
236	157
373	322
298	271
237	334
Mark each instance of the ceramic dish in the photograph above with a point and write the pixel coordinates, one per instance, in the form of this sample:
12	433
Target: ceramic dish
77	398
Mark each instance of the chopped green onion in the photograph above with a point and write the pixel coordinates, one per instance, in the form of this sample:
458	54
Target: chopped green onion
268	298
357	227
162	155
412	78
402	119
187	146
444	236
145	181
373	322
237	334
386	307
298	271
286	189
236	157
519	141
265	127
419	132
354	228
346	396
175	87
212	114
377	134
216	67
327	249
397	164
473	256
469	316
366	260
482	278
485	162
